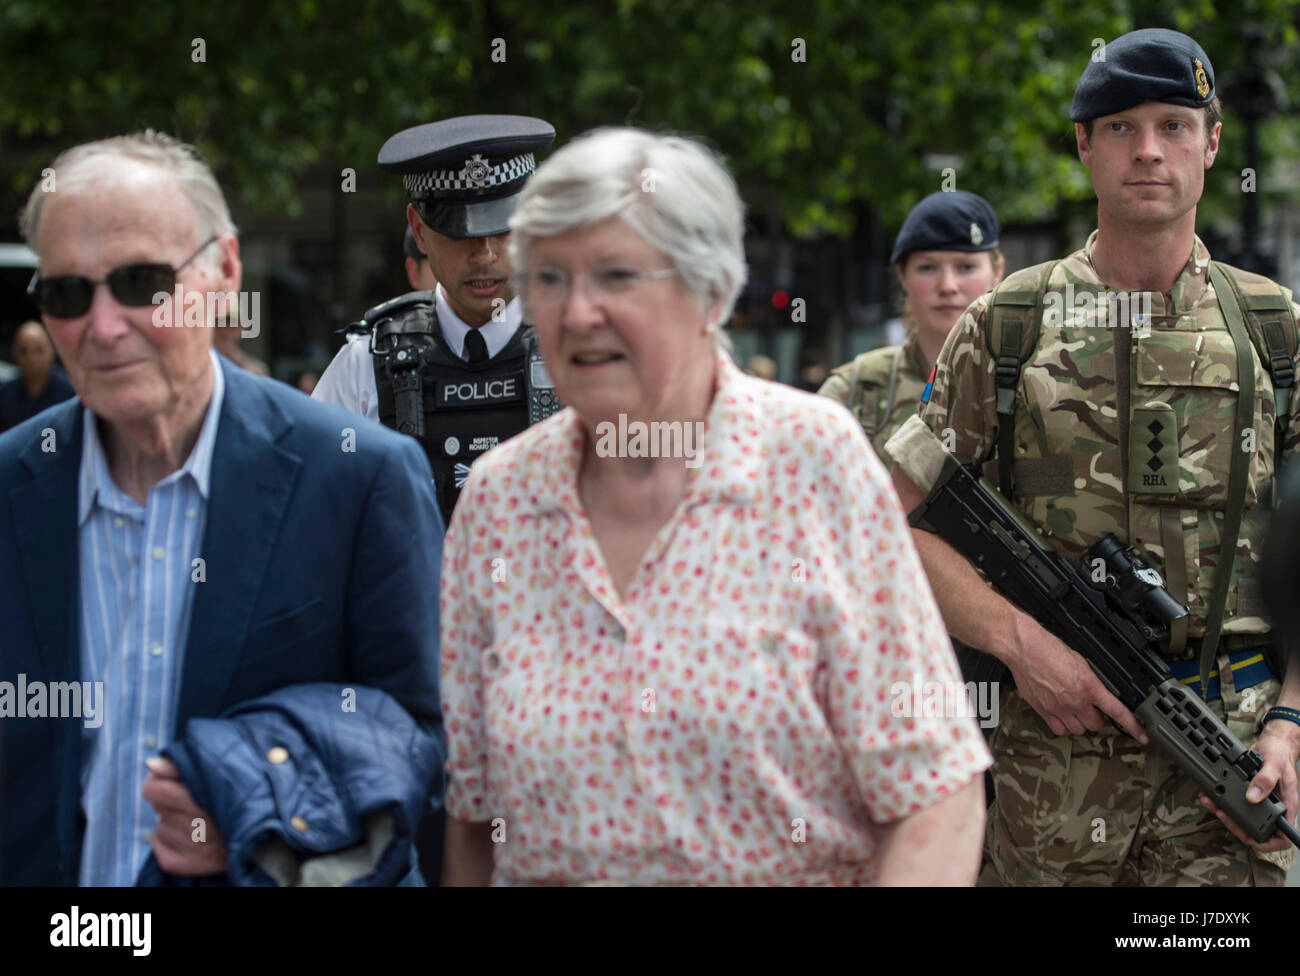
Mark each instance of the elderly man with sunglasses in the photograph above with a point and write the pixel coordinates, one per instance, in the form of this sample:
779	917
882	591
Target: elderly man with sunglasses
185	541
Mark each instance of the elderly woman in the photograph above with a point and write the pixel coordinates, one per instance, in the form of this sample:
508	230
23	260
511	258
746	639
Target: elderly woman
680	659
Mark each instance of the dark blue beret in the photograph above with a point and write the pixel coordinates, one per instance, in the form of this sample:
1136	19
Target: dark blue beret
1153	65
465	174
950	220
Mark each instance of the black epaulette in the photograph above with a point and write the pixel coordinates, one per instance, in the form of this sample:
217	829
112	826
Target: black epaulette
409	314
393	308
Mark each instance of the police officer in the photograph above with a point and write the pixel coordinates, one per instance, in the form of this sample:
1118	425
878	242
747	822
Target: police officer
1128	388
456	368
946	256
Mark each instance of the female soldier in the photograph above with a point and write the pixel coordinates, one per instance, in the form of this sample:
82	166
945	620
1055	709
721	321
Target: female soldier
946	256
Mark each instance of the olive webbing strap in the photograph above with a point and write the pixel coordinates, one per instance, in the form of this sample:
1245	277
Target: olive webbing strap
1173	543
1273	330
883	420
1007	375
1231	304
1011	328
1123	414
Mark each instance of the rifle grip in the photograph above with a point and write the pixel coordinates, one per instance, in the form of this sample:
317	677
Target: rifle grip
1175	719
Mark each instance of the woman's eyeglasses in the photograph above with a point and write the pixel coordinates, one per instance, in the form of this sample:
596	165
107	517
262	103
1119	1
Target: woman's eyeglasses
69	296
548	287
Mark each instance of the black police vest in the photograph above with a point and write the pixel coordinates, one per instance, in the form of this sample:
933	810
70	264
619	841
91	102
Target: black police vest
456	411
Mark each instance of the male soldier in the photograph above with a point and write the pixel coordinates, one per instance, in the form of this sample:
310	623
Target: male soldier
946	255
1127	422
459	371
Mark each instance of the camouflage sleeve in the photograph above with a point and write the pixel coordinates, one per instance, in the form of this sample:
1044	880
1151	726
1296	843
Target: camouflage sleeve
962	409
1291	440
837	388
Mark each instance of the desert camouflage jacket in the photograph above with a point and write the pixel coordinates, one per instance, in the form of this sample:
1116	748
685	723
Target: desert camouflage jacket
1072	479
862	385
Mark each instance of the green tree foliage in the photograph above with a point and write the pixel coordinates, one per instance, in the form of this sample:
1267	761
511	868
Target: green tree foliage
819	106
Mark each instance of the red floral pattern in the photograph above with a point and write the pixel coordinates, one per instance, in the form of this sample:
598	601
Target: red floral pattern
729	719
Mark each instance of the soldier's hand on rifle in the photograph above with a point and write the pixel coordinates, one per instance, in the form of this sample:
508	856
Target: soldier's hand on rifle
1279	747
1060	687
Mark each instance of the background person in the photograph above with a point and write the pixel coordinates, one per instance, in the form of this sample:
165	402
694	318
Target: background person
466	363
945	256
38	384
639	677
764	367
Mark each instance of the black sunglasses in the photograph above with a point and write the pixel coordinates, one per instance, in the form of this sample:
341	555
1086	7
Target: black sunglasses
69	296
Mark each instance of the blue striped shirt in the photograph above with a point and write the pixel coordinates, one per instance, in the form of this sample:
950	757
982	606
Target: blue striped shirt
137	588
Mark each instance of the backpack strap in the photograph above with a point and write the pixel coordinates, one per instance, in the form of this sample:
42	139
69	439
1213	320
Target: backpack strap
856	385
892	394
1015	317
1270	321
1231	305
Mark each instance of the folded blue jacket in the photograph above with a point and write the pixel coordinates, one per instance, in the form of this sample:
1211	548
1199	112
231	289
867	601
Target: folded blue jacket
314	784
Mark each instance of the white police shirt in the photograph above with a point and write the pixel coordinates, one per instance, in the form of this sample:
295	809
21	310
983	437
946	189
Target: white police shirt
349	380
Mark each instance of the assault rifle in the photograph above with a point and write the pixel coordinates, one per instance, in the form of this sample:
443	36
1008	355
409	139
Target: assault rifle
1115	617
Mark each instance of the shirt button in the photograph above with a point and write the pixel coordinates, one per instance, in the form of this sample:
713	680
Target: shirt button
150	742
191	513
159	552
146	836
155	648
118	522
493	661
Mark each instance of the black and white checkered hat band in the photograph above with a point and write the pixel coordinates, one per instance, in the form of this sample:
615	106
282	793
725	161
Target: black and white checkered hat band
476	174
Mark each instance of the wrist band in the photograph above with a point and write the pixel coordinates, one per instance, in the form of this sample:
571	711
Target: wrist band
1280	711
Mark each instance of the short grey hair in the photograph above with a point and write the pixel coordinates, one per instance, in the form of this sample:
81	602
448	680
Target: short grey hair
672	190
181	160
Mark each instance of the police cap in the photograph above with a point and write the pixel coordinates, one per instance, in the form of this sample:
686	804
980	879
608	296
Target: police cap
464	175
950	220
1152	65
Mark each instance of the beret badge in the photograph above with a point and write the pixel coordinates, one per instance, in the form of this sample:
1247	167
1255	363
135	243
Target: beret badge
1202	82
976	235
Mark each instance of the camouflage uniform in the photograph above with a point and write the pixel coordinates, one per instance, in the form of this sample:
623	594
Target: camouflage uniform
1099	808
863	385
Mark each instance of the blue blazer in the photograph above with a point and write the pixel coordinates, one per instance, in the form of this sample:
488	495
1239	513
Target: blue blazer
322	565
